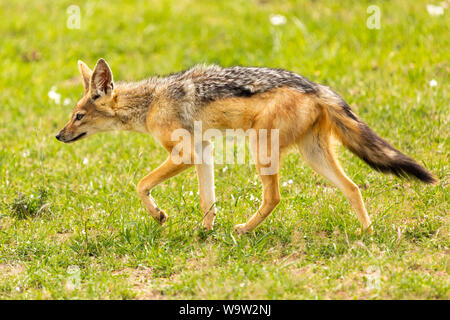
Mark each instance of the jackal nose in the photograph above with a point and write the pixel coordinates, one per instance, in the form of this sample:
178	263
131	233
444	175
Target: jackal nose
58	136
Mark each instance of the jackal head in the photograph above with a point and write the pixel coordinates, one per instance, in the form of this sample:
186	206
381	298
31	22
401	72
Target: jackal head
94	112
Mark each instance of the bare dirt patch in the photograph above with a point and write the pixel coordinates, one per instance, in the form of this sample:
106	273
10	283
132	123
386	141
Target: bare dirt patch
142	282
62	236
10	270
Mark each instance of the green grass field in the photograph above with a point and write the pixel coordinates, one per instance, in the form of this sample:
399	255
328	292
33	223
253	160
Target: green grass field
73	227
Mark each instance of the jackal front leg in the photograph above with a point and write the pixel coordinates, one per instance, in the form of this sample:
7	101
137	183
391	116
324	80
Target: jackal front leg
167	170
205	175
268	173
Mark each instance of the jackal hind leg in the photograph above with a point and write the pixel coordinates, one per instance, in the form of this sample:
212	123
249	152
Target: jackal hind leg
318	153
165	171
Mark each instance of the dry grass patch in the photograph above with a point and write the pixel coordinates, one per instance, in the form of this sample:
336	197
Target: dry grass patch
11	270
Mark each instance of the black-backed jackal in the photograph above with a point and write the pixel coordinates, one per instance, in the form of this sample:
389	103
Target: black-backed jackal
305	114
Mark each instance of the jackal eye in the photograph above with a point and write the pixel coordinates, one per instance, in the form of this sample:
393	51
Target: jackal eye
79	116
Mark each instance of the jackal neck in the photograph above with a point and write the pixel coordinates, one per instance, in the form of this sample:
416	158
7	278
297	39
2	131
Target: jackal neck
133	100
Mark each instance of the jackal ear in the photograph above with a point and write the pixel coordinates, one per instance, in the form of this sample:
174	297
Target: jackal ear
102	79
86	73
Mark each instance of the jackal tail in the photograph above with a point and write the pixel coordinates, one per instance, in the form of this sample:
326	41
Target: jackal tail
365	143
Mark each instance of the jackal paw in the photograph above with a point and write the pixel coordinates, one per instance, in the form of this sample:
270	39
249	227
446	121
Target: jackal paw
368	230
161	218
240	228
206	227
208	221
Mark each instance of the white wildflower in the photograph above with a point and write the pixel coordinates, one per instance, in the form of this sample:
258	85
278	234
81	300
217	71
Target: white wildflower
66	101
435	10
85	161
277	19
73	269
54	96
290	181
26	153
70	286
433	83
74	278
225	169
191	193
285	184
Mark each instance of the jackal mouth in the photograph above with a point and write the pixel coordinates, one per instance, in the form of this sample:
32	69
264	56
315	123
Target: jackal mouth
78	137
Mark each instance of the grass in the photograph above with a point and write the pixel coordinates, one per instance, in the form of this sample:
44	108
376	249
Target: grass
72	226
